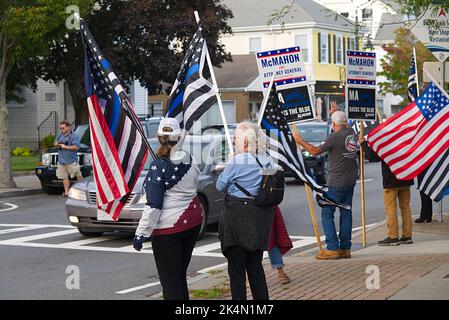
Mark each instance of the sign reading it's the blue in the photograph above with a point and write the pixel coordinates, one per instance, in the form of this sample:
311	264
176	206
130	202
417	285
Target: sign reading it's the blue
295	104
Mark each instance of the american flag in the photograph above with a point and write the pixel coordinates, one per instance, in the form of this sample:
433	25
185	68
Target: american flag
119	146
191	94
413	139
284	150
412	87
435	181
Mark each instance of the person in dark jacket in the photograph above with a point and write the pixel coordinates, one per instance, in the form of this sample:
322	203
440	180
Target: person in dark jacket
244	227
394	190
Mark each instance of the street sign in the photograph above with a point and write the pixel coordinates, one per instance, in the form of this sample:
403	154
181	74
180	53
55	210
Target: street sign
360	68
296	104
287	64
432	29
361	103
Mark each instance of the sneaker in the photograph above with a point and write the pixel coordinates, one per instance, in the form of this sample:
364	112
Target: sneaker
389	242
407	240
327	255
344	254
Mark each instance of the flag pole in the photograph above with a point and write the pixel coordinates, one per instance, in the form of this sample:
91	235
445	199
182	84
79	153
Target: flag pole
416	71
362	188
217	94
265	101
311	207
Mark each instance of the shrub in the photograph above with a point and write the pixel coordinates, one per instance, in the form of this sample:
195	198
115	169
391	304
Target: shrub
21	152
48	141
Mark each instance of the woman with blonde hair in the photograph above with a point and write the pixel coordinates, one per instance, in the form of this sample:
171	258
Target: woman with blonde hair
244	227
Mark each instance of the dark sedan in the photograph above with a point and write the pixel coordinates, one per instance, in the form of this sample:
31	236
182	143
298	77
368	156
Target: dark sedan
209	151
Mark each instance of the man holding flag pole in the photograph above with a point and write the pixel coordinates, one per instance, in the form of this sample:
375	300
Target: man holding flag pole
283	149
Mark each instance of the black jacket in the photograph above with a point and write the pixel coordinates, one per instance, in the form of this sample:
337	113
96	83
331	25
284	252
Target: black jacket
244	224
389	179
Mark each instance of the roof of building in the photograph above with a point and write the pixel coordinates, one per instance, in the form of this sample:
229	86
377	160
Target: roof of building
238	73
389	23
393	4
252	13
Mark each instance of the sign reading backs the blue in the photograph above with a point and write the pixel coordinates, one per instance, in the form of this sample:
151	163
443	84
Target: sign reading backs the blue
295	104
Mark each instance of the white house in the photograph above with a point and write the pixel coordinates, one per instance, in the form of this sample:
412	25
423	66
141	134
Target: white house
40	113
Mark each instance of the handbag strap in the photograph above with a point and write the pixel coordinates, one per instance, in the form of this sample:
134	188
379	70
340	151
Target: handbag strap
243	190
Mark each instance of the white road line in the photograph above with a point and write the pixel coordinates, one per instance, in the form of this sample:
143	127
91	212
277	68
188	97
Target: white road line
38	237
366	180
208	247
87	241
18	229
212	268
11	207
63	226
148	285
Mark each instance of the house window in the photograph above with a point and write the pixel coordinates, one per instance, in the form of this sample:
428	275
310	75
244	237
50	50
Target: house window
324	48
367	14
155	109
255	44
50	96
351	44
338	50
301	41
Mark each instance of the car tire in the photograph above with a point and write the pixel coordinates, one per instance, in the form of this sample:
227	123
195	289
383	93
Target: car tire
90	233
50	190
203	204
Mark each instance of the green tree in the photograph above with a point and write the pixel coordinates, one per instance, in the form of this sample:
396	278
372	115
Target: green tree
396	63
143	39
26	27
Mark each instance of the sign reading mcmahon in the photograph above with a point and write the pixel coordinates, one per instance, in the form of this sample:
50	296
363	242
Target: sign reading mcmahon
287	65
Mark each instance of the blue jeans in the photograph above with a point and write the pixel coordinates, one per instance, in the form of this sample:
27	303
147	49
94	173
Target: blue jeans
275	256
343	241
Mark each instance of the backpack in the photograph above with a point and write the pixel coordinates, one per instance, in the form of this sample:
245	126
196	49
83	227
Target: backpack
271	188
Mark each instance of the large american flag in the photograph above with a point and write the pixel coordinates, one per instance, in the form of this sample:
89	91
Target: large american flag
284	150
412	87
413	139
119	146
191	94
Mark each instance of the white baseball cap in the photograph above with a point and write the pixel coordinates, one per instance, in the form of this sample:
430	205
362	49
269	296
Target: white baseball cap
169	123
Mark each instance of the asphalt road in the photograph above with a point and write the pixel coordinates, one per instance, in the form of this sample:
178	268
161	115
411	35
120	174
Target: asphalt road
39	250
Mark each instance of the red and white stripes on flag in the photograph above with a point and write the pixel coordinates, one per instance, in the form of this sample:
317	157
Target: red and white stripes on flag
119	146
415	137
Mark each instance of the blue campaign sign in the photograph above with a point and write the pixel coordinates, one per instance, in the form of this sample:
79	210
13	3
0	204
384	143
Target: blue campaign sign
295	104
361	103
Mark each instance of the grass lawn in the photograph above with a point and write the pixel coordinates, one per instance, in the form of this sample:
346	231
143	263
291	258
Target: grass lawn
25	163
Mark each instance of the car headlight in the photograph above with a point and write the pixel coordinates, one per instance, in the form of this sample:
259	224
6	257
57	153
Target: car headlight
46	159
87	159
77	194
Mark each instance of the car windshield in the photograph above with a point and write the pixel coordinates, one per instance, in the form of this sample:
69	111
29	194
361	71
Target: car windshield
152	129
83	132
313	133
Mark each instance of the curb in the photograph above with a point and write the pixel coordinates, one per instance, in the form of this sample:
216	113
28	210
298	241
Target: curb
23	173
20	193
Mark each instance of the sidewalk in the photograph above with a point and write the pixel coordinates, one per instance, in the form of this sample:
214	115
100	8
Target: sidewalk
26	185
416	271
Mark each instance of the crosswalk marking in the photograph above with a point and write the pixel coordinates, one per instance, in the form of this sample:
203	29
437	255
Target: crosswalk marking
211	249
